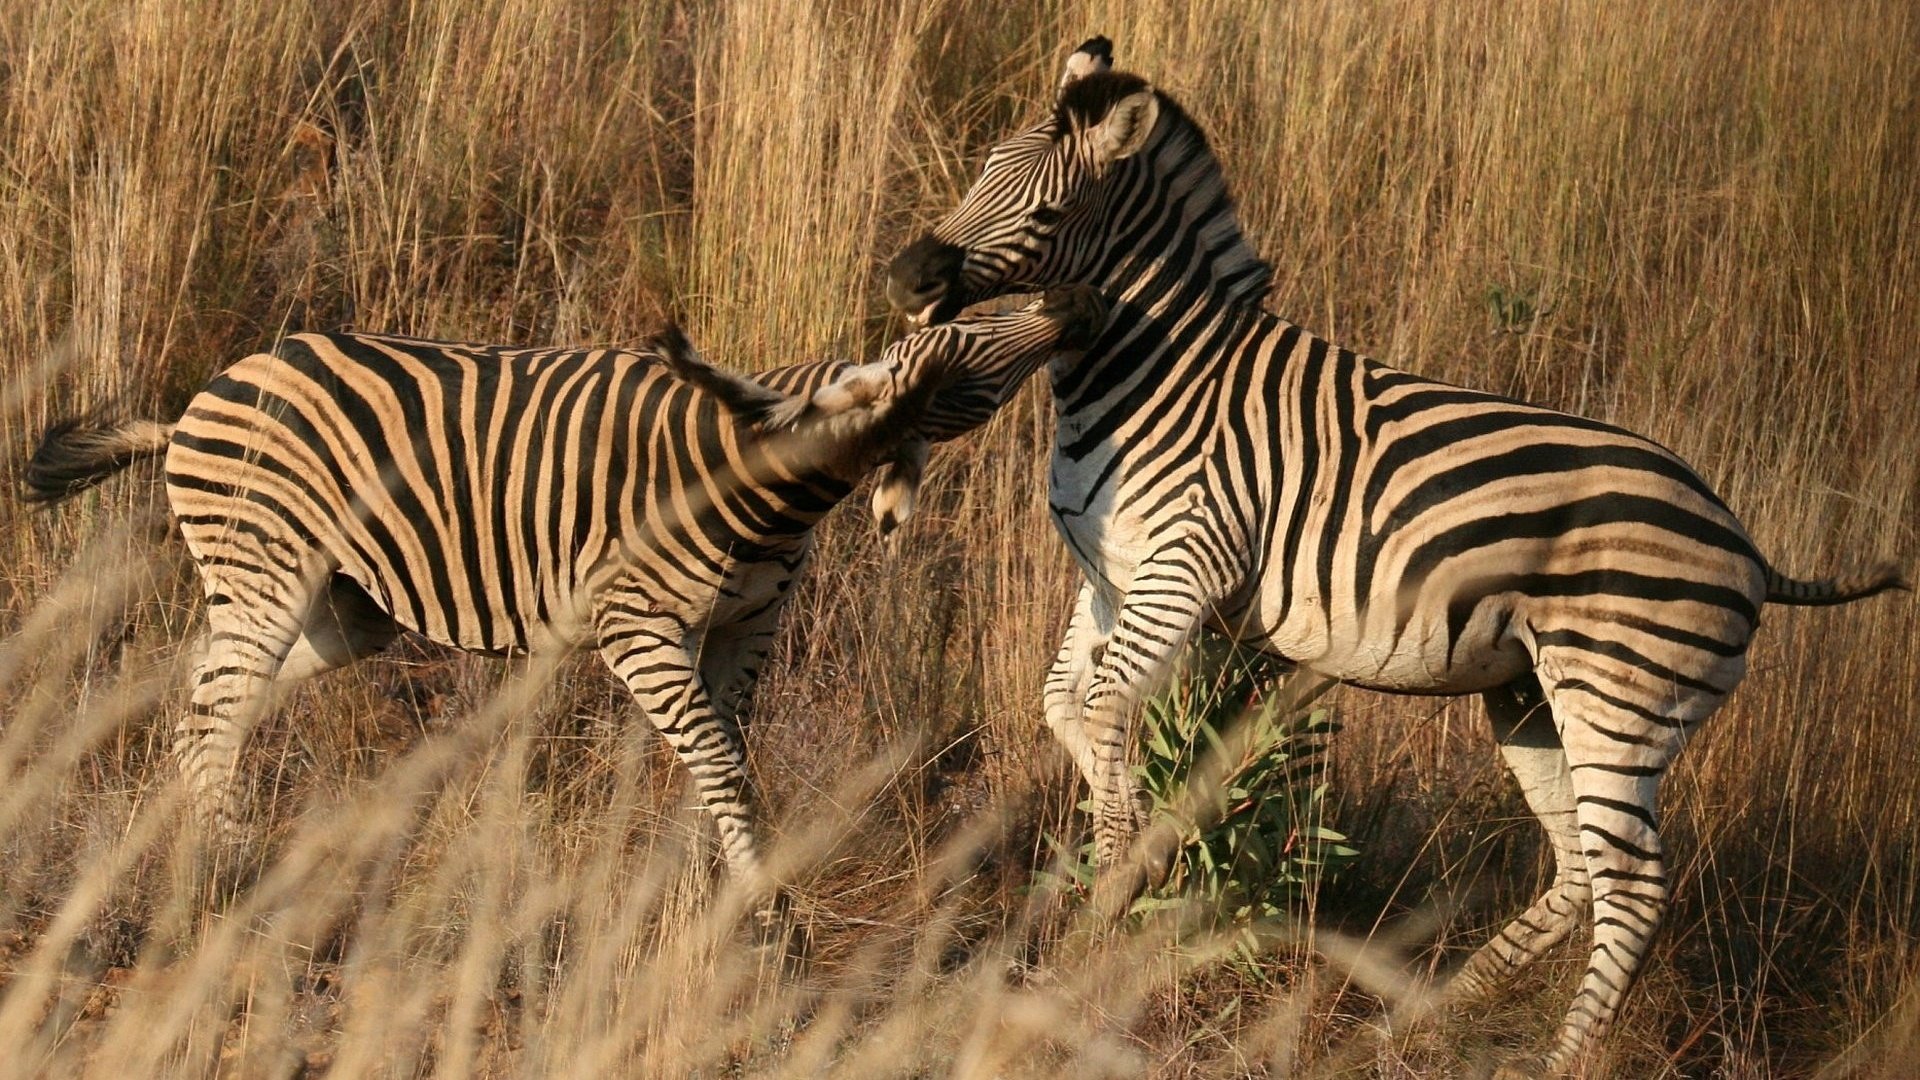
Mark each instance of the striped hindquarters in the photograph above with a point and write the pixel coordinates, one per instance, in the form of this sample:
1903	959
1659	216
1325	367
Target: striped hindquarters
1439	535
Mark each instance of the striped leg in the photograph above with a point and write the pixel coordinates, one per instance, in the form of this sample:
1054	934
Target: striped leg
259	641
730	666
1073	667
1531	746
1161	611
1620	735
344	625
651	657
247	641
732	654
730	660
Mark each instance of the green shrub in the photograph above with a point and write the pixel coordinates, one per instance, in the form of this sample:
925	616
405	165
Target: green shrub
1230	757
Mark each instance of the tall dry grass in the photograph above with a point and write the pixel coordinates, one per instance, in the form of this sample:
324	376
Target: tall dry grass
1698	221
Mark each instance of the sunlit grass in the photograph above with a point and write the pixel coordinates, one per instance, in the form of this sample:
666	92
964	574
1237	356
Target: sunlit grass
1696	221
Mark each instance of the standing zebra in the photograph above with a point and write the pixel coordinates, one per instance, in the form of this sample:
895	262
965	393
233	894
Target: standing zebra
1215	465
501	500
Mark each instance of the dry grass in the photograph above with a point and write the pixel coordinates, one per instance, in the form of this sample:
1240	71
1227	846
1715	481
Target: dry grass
1699	221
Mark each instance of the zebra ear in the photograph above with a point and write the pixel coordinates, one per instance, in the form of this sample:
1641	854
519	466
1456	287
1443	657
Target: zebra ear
1095	55
1124	130
893	496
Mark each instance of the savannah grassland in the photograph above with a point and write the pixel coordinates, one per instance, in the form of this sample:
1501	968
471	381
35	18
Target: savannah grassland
1699	221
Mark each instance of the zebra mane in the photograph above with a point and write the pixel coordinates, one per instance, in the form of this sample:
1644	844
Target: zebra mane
1088	99
850	401
746	399
847	404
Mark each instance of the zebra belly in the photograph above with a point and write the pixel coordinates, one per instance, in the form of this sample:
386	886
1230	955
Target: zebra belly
1417	652
1427	659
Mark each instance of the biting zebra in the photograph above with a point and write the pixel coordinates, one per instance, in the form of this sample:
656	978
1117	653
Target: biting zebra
1217	466
344	487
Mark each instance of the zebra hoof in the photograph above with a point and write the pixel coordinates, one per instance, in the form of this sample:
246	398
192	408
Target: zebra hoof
1116	887
1157	866
1464	991
221	873
779	934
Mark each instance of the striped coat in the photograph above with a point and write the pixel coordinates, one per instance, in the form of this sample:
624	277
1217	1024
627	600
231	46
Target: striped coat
345	487
1215	465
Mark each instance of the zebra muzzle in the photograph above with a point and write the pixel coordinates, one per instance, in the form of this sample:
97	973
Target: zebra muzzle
923	281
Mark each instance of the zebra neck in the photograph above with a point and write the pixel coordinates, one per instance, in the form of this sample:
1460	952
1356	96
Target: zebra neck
1177	338
1176	237
1186	280
775	488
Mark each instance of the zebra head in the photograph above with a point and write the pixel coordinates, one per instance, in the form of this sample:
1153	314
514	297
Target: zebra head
1038	215
961	372
927	387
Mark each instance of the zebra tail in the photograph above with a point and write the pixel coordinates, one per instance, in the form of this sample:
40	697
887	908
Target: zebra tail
74	455
746	399
1846	588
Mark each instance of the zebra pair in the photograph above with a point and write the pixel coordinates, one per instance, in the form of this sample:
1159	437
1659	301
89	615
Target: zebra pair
1217	466
343	487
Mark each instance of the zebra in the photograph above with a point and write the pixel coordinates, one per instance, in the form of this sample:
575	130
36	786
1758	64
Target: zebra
1217	466
344	487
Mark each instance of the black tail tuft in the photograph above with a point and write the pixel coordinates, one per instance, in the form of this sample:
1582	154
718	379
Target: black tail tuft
74	455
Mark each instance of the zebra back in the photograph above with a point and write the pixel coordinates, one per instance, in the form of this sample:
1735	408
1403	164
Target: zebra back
477	491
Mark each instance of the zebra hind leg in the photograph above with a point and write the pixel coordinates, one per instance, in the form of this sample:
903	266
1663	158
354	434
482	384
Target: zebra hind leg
1619	742
343	625
247	642
253	647
1530	744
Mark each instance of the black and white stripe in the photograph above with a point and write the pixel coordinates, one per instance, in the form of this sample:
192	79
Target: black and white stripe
344	487
1216	465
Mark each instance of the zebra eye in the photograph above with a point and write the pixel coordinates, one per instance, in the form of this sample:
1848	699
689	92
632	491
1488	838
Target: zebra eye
1046	217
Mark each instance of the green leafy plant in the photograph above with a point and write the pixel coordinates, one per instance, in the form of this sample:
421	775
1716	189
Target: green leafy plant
1235	762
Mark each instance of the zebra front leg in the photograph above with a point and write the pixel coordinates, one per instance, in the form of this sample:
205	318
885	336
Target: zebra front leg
663	675
730	661
1530	743
1161	611
1073	668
